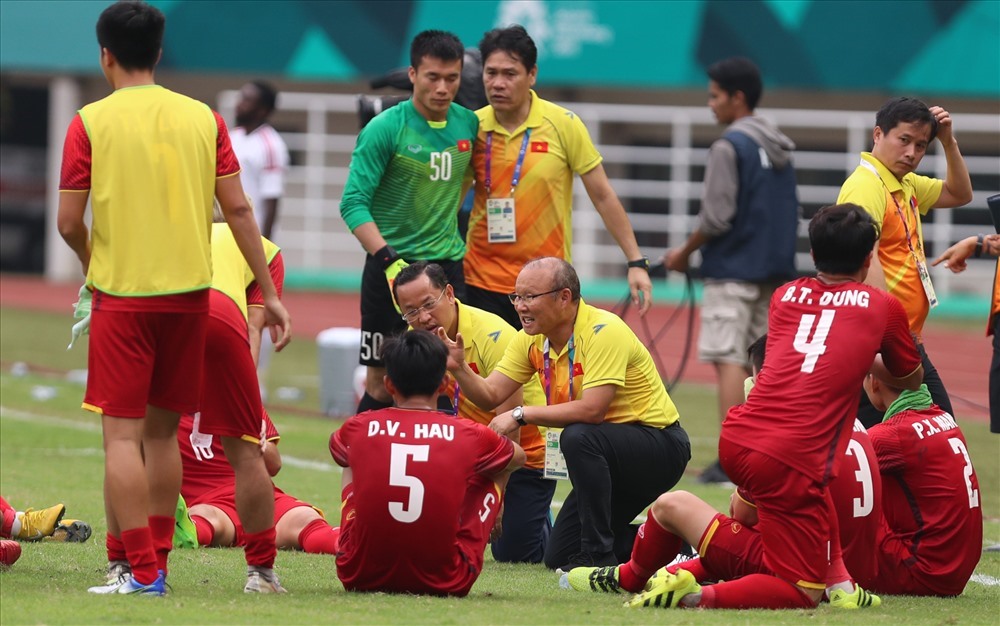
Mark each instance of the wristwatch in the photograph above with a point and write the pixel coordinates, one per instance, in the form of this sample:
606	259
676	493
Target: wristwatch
642	263
518	415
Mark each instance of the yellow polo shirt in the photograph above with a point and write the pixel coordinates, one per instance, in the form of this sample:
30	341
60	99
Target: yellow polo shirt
607	352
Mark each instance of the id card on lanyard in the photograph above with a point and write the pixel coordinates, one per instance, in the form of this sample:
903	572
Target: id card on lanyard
917	253
501	213
555	461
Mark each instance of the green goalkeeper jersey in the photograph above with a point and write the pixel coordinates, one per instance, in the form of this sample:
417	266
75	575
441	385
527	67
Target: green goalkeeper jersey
406	176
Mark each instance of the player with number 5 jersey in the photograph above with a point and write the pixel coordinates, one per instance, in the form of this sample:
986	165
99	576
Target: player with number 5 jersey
421	489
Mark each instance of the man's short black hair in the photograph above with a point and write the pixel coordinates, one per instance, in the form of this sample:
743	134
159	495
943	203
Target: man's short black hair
415	362
267	95
513	40
133	33
903	109
756	352
738	74
435	274
439	44
841	237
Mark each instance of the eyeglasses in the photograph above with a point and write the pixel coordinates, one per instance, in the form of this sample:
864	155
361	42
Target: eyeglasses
528	299
411	316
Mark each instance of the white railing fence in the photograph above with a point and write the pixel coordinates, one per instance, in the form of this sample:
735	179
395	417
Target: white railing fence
655	156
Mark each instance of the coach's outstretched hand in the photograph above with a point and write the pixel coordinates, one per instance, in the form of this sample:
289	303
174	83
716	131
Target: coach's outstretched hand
278	321
456	349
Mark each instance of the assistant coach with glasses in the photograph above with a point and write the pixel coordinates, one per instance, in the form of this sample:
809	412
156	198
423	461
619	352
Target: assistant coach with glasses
622	439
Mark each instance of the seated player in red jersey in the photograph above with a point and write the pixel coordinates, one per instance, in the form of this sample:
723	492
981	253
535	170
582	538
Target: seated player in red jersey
728	545
931	536
421	489
209	488
788	441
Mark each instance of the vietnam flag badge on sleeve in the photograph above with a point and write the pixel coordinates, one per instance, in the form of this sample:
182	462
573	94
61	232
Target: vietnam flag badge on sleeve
464	145
539	146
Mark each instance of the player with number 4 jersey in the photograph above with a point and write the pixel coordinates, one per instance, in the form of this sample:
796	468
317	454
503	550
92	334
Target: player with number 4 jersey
421	489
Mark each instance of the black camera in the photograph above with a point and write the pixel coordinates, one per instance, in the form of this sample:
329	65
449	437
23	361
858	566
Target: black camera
369	106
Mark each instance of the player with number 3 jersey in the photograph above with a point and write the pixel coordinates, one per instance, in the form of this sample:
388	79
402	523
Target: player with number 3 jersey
421	488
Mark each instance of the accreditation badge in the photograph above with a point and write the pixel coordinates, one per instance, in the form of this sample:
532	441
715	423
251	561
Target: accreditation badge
555	462
500	220
925	280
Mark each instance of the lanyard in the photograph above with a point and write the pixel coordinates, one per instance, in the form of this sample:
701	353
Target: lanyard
488	183
899	210
547	369
454	401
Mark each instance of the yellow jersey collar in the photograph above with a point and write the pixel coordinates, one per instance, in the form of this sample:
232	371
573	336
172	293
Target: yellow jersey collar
534	120
875	166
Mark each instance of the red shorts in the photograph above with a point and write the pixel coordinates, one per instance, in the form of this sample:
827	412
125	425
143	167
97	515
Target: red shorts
896	578
730	550
357	572
794	513
230	404
140	358
224	499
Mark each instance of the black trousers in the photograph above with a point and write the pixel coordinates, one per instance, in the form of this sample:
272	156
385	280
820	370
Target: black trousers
616	470
870	416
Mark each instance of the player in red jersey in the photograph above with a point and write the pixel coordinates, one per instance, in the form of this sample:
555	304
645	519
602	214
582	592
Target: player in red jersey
932	532
729	546
210	491
422	489
149	161
786	442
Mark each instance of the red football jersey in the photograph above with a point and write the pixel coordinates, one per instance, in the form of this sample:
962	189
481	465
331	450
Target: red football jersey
203	459
411	470
931	500
857	496
821	342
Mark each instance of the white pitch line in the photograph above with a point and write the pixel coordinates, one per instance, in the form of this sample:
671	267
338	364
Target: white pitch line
51	420
983	579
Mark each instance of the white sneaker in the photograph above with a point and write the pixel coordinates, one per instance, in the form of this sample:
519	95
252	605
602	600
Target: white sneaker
262	580
119	573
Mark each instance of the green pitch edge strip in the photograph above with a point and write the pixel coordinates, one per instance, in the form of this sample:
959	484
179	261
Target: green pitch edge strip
955	306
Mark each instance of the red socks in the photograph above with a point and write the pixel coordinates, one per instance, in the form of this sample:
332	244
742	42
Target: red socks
138	544
756	591
116	549
654	547
9	515
319	538
260	549
697	569
162	528
206	532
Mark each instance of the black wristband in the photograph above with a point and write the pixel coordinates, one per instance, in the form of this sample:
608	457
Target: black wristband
386	256
978	252
642	263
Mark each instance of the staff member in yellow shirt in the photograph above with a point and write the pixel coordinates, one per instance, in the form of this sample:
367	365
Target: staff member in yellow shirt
526	154
621	437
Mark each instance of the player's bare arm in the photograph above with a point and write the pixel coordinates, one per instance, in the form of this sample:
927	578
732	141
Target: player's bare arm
955	257
72	228
616	221
957	188
239	216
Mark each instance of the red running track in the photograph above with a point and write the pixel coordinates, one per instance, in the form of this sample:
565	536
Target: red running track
962	355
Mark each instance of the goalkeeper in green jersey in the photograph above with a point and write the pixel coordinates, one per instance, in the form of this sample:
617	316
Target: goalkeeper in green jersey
409	172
